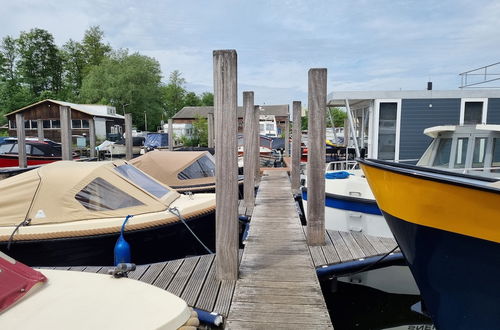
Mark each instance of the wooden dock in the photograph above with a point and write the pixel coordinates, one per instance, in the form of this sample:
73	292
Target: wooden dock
277	285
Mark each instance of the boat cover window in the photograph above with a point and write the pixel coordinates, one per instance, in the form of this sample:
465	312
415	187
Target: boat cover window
495	161
5	148
100	195
36	151
461	152
473	113
142	180
201	168
479	152
442	158
15	149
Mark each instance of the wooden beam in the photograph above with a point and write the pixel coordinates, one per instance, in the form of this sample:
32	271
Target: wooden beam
170	134
226	125
66	142
296	143
316	131
128	136
210	119
39	128
257	143
21	140
92	137
251	150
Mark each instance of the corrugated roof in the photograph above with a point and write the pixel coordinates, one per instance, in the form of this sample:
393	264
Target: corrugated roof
192	112
98	110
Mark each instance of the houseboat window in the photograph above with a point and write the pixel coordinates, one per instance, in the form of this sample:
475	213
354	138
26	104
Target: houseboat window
442	158
479	152
495	161
461	152
46	124
76	123
142	180
5	148
12	124
387	131
201	168
85	123
56	123
100	195
27	124
473	113
34	124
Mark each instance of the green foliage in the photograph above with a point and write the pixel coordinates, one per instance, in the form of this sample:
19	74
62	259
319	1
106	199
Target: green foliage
191	100
174	93
338	116
94	50
200	130
207	99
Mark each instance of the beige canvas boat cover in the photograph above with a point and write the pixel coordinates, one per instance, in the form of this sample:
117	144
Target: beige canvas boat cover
165	166
67	191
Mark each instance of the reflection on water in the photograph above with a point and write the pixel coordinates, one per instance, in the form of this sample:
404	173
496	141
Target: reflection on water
378	299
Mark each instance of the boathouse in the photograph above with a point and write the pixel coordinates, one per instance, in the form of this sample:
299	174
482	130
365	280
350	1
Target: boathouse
183	120
47	111
390	124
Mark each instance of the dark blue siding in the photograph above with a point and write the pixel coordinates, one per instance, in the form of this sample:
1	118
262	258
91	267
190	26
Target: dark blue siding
493	111
416	115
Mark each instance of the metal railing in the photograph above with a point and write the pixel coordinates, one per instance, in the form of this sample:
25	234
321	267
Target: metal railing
482	75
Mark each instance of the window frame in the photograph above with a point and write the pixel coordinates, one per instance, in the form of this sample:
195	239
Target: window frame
484	113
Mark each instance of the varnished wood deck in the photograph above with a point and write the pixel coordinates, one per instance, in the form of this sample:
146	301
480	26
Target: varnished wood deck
277	285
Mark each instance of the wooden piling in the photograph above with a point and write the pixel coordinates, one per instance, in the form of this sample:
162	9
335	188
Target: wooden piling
316	157
21	141
287	135
92	137
39	128
66	143
251	150
128	136
170	134
296	143
226	124
257	143
210	120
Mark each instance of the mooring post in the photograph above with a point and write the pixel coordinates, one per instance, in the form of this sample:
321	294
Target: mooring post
287	135
210	120
170	134
296	143
39	128
21	140
250	151
66	143
257	143
128	136
92	143
226	160
316	131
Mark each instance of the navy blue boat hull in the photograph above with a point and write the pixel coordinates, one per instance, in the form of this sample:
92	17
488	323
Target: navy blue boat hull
348	203
451	269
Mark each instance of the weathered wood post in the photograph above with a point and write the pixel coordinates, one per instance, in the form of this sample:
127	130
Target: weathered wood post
128	136
210	119
226	160
92	137
21	140
296	143
257	143
170	134
66	143
39	128
287	135
251	150
316	131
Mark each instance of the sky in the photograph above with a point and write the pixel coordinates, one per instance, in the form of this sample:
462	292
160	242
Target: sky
365	45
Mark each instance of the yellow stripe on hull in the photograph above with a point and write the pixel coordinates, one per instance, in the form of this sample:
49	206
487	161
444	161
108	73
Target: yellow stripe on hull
445	206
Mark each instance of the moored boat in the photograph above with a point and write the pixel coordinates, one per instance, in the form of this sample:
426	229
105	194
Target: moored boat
37	152
70	213
446	225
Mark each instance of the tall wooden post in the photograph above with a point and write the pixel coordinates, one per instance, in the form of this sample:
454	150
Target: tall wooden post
296	143
66	143
257	143
92	137
128	136
170	134
226	160
210	120
316	131
39	128
287	135
21	140
251	150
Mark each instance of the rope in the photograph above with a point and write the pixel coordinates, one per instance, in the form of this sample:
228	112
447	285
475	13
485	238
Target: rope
176	212
25	222
367	267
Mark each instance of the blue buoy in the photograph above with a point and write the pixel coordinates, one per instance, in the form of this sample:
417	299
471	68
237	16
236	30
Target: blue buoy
122	248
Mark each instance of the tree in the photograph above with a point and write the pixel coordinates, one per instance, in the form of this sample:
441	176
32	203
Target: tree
174	93
74	63
200	130
338	116
8	53
191	100
94	49
207	99
122	79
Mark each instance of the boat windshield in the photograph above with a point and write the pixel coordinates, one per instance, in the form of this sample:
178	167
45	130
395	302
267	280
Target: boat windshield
442	158
142	180
201	168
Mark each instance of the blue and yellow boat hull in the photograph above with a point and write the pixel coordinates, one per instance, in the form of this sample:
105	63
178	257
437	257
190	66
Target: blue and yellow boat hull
447	226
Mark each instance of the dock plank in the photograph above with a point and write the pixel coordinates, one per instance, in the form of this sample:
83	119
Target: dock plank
182	276
167	274
197	279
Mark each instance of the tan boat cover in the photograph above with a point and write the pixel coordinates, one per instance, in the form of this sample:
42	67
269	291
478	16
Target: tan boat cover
165	166
47	194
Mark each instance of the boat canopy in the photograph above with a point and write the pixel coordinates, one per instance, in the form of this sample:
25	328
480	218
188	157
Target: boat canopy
178	168
66	191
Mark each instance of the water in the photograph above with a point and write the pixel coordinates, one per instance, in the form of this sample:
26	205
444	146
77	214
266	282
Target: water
378	299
